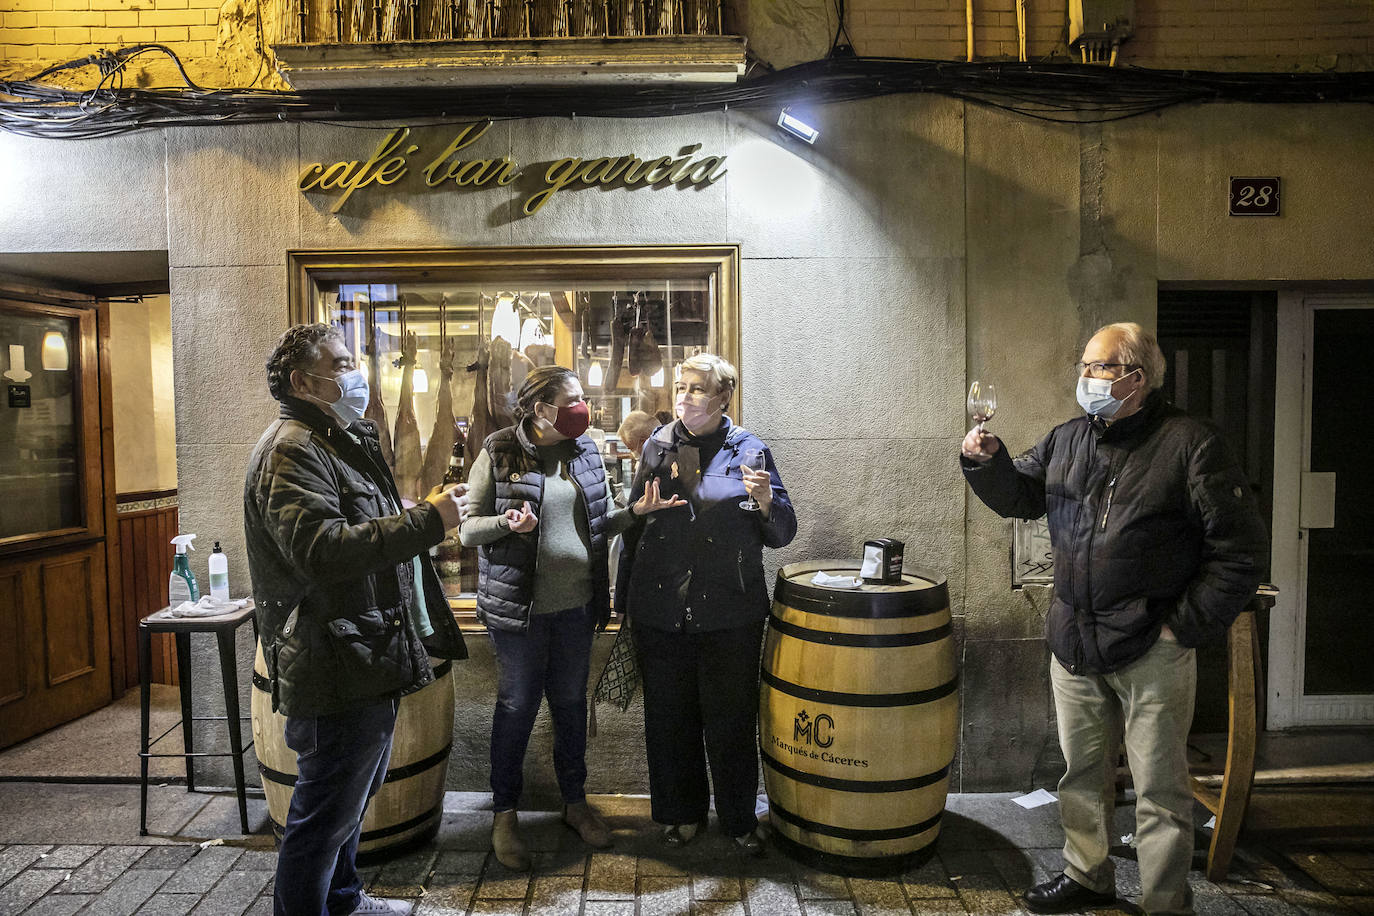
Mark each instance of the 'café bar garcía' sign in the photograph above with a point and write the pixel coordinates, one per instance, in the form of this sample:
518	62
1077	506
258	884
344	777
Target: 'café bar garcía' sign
450	167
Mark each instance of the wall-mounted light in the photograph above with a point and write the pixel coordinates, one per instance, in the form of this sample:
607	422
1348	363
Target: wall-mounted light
55	352
797	123
420	382
594	375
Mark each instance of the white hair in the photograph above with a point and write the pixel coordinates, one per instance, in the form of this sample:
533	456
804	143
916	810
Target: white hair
721	372
1137	347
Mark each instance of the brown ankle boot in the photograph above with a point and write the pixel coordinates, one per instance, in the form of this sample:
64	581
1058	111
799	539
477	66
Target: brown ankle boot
583	818
506	842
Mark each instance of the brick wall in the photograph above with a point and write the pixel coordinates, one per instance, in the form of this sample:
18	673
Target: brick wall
1203	34
217	43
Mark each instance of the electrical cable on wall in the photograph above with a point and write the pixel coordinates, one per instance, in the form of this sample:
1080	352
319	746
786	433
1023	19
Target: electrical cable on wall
1052	92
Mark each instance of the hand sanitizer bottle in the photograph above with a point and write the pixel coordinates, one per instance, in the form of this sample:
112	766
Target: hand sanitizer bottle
181	585
219	574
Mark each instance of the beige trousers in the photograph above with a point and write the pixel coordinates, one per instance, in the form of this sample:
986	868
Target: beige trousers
1151	702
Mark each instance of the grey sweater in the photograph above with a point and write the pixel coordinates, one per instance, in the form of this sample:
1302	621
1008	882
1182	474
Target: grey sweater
564	578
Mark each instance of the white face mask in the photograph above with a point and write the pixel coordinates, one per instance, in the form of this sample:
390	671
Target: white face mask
353	395
1095	395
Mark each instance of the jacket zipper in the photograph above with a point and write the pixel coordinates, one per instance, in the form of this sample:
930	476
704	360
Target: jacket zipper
1107	509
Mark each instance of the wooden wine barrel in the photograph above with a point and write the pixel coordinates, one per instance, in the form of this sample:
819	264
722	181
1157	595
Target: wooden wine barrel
407	811
858	717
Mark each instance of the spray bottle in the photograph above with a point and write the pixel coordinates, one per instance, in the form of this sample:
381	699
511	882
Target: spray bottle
181	585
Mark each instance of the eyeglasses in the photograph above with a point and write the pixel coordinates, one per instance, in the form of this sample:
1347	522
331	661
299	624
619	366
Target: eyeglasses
1097	370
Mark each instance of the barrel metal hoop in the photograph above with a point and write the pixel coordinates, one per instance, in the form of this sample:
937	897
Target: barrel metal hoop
877	607
405	772
850	833
860	699
381	833
261	682
855	785
419	766
863	640
818	599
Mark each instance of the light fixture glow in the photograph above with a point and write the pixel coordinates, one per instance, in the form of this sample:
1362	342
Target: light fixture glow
55	352
504	322
792	122
420	383
531	332
594	375
656	380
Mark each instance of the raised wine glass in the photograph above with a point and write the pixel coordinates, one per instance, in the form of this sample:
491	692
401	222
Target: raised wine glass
753	459
982	402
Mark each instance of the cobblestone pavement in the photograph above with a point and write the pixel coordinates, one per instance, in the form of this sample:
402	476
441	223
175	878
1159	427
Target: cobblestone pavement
68	849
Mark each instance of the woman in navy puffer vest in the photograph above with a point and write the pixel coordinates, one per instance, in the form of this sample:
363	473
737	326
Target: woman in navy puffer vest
541	516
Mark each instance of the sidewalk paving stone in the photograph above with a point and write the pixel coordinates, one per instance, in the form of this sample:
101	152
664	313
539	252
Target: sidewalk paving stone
556	895
69	857
127	893
772	896
446	896
101	870
668	895
21	891
717	887
459	862
169	904
611	876
59	905
830	908
172	857
233	893
201	872
14	859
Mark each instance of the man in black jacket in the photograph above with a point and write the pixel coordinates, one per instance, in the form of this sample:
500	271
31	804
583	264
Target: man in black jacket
349	607
1157	547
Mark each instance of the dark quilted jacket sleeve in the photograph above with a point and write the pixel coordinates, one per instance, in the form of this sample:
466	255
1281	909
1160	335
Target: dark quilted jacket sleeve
302	510
1234	546
1011	488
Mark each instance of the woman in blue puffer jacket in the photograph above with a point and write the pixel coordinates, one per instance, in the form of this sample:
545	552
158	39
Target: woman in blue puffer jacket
695	594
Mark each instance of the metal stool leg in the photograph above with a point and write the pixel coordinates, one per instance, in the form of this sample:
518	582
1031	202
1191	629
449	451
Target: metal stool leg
228	666
187	723
145	690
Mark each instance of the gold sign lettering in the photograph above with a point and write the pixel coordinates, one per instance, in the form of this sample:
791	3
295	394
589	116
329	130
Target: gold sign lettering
389	163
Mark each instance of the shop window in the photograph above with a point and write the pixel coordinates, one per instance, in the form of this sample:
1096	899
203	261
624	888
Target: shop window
446	338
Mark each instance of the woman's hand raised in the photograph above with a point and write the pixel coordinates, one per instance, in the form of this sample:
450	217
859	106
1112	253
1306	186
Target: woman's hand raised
521	521
652	501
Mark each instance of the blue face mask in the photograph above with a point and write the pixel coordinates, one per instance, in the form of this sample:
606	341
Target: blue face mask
353	395
1095	396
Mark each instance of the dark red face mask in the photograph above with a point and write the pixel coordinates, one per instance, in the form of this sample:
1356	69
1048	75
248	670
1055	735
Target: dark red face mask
573	420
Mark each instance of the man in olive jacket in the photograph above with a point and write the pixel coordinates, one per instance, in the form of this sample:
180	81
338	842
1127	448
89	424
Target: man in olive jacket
349	607
1157	547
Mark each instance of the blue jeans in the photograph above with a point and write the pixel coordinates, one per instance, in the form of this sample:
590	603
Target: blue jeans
342	759
551	658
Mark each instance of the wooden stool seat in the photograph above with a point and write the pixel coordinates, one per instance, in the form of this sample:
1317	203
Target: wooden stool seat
224	627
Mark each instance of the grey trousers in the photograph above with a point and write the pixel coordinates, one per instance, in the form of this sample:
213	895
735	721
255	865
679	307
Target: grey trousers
1151	702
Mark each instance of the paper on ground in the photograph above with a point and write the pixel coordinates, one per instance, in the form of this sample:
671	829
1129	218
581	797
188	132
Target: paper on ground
1035	799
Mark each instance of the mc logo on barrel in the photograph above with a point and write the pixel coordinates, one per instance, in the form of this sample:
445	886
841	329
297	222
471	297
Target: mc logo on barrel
819	731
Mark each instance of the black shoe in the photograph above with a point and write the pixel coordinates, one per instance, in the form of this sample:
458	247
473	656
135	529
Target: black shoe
1062	894
679	835
751	843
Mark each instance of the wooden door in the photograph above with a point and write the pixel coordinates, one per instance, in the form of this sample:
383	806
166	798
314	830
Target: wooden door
55	658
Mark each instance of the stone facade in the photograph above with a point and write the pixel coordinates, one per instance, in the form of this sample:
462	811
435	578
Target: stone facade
922	242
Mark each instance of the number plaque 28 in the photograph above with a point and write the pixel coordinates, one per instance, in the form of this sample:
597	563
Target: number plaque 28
1254	197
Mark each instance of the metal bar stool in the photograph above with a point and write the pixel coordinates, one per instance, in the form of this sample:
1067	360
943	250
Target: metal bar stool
223	626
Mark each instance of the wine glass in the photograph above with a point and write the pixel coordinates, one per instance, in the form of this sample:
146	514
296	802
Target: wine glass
982	402
753	459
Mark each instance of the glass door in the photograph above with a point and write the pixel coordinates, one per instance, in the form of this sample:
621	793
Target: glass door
1327	679
54	614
